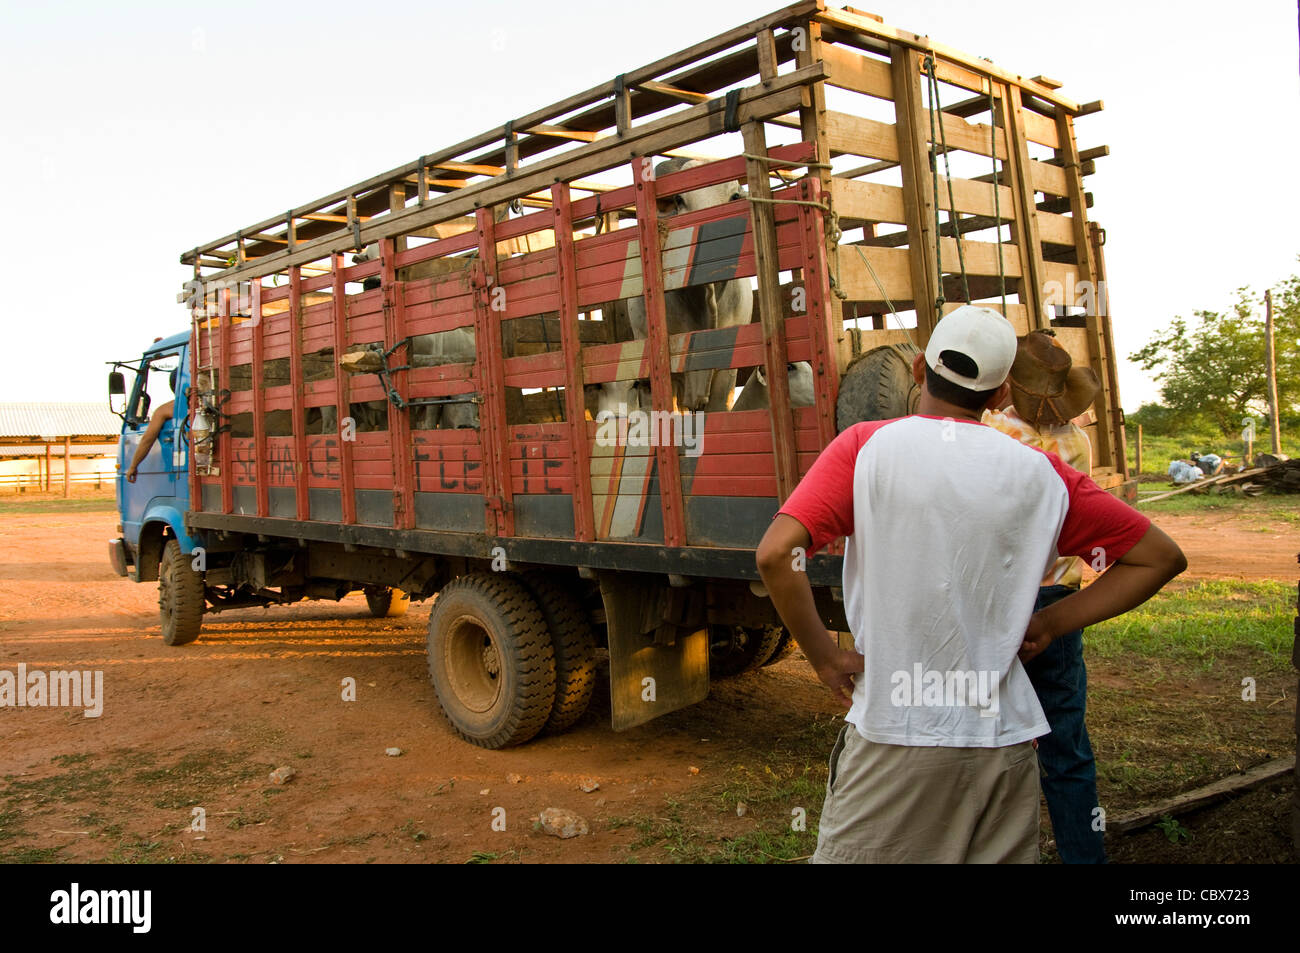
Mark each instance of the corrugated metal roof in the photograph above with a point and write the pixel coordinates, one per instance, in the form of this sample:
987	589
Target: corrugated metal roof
56	451
58	420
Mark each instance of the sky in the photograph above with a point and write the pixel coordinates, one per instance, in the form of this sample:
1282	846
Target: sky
133	130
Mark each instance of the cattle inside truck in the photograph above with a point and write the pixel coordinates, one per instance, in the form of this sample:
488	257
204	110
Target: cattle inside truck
579	497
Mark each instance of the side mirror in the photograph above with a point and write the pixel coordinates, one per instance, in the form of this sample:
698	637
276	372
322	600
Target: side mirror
117	393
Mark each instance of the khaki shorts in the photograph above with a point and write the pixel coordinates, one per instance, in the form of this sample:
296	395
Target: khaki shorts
901	804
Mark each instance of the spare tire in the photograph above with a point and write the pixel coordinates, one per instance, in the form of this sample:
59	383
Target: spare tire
878	386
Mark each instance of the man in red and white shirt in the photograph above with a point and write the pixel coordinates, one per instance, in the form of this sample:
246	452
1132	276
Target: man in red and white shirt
949	527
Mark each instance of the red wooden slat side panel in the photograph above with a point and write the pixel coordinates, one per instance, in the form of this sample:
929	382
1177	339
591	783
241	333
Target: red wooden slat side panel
324	461
448	461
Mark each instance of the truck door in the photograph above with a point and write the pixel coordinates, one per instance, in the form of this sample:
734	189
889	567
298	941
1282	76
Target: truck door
162	473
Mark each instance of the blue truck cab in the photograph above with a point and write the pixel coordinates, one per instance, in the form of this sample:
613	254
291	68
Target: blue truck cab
152	509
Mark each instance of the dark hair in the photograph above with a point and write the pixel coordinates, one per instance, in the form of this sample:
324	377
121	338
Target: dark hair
943	389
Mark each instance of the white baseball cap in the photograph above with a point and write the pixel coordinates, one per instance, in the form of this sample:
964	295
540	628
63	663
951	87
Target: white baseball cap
983	336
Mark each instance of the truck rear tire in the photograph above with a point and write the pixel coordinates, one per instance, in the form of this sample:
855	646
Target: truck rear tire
180	596
785	647
878	386
386	603
574	645
735	650
491	660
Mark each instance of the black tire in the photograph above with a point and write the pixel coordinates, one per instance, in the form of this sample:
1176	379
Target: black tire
785	646
878	386
490	659
386	603
735	650
180	596
574	644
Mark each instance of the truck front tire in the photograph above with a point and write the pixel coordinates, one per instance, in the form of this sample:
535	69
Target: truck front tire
490	660
180	596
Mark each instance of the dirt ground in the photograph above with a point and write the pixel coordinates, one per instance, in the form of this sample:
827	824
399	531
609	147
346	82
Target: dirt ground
203	725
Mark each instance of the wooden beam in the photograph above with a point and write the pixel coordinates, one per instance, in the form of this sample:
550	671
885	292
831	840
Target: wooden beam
918	201
685	95
571	343
661	388
771	312
1202	796
1025	228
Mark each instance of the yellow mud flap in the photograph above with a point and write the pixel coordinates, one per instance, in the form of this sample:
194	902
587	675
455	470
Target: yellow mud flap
658	647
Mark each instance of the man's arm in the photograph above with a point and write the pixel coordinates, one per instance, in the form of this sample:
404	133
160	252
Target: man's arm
149	437
1132	580
792	596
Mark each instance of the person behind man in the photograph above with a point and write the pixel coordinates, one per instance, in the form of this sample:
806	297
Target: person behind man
949	527
157	419
1047	392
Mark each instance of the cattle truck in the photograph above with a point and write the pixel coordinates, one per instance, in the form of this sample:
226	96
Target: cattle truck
880	180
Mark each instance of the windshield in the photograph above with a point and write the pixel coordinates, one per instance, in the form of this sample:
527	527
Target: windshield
154	385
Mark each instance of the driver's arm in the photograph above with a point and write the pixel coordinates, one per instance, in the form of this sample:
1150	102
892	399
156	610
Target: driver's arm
148	438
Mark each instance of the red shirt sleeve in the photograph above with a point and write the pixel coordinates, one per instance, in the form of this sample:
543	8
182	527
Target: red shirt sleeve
1097	524
823	500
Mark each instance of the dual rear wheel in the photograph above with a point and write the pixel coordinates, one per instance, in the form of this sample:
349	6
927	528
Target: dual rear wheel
510	657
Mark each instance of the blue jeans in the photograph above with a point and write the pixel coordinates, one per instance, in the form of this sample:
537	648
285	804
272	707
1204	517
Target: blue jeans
1065	755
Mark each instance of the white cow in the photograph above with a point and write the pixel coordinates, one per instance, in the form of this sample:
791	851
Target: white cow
444	347
719	304
755	395
617	397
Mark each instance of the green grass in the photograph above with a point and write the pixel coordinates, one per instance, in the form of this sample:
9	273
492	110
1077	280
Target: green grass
1157	451
1203	622
1269	507
16	504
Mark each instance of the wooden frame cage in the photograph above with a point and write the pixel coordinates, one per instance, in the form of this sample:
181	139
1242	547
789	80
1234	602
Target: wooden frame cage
529	235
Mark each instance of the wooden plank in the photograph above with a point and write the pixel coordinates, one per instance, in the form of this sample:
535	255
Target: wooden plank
399	419
1042	129
1056	229
342	407
867	201
661	389
854	135
493	429
770	312
861	74
765	43
1105	327
812	114
1046	177
685	95
1202	796
918	198
299	411
1025	228
260	461
571	343
825	326
226	463
893	266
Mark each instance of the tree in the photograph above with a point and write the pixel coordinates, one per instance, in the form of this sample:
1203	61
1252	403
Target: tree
1214	368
